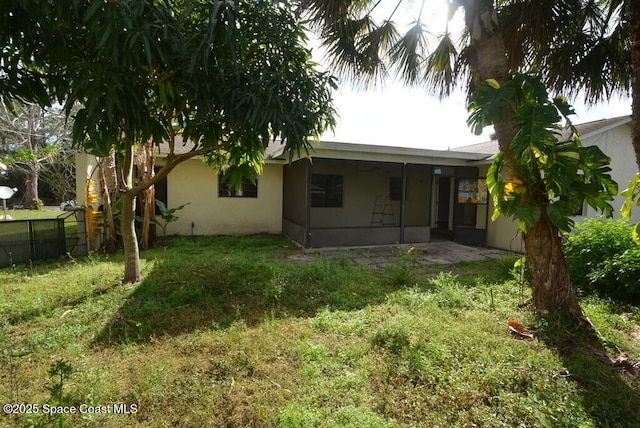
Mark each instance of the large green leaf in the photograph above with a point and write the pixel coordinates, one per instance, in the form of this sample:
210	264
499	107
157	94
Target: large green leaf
632	195
547	175
560	215
488	104
528	216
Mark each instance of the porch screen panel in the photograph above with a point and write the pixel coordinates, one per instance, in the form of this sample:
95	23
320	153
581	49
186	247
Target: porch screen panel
326	191
294	192
418	202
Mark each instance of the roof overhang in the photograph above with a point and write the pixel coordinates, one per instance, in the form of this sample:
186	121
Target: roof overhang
379	153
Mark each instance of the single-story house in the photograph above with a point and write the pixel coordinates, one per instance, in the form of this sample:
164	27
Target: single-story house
356	194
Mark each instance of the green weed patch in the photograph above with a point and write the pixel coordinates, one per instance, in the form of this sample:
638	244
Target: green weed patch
228	331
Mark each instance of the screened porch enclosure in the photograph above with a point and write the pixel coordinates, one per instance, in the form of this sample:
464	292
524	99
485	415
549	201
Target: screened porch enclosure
336	202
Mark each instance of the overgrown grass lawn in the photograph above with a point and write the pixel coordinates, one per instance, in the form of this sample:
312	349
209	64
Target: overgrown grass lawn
233	332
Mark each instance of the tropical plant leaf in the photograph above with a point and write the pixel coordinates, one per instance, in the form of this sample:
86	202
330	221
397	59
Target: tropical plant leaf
546	176
632	195
488	104
527	215
559	214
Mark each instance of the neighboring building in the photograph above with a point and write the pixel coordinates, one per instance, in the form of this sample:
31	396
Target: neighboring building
355	194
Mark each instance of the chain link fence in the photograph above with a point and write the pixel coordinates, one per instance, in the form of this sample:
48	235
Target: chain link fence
22	241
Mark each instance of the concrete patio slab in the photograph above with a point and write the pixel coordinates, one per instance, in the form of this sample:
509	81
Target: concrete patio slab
429	253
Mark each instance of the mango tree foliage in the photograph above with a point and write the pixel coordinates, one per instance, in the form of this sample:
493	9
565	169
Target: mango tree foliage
226	76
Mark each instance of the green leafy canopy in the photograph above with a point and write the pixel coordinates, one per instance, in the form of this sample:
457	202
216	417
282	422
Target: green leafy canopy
547	171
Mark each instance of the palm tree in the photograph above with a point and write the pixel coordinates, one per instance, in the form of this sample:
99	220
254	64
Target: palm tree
498	37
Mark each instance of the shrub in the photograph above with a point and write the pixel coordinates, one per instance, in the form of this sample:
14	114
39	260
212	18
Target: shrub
603	258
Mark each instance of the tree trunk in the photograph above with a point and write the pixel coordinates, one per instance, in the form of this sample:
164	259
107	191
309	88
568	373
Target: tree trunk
127	227
634	10
132	271
488	58
546	263
550	282
32	170
145	162
31	188
109	186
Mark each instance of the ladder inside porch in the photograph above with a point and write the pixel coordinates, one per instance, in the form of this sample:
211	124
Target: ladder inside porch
382	214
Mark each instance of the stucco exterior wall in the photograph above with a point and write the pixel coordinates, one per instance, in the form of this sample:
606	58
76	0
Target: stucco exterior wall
195	183
503	233
295	190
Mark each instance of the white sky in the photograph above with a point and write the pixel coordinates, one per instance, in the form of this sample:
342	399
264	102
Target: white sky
409	117
395	115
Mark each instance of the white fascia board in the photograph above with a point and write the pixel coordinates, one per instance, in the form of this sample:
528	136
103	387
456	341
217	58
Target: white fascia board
368	152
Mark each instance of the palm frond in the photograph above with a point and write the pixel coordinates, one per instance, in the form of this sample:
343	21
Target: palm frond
594	65
530	27
320	12
356	45
606	67
349	50
439	75
409	53
323	13
373	48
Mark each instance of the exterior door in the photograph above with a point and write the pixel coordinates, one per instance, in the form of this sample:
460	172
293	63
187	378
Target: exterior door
470	210
443	227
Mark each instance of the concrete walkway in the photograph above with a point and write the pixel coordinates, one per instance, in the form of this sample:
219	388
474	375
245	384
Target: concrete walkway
428	253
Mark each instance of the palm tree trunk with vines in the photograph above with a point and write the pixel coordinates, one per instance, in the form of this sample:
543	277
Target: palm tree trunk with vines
547	267
546	263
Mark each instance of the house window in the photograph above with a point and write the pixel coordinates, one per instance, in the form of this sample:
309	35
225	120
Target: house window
247	189
395	188
326	191
161	193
